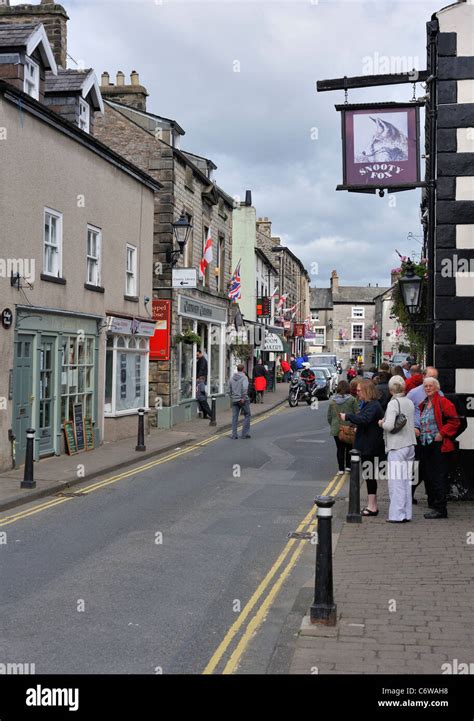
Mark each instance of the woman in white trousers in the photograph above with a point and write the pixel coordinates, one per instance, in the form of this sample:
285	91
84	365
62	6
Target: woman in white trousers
400	447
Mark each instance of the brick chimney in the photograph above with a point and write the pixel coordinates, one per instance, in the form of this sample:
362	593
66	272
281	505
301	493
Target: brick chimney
53	16
334	281
134	95
264	226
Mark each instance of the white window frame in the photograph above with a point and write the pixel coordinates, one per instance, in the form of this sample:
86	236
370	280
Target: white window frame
131	273
358	308
115	350
31	86
58	246
84	115
356	355
363	331
319	328
97	258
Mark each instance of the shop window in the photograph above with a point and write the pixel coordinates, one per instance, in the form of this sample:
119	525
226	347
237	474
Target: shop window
77	376
216	350
126	374
186	369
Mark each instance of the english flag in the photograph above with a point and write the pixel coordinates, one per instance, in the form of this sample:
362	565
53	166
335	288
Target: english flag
282	300
207	257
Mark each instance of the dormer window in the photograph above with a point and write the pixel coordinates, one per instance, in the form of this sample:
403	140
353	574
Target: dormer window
84	115
31	82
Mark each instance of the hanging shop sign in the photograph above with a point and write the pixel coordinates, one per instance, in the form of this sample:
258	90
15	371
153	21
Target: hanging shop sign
160	342
130	326
299	330
184	278
7	318
380	147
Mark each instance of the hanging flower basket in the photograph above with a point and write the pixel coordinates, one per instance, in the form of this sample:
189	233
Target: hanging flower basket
189	338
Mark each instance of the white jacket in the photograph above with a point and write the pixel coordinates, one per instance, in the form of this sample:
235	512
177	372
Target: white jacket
405	437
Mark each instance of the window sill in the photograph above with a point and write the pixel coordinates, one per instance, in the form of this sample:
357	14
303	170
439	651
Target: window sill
95	288
53	279
131	412
131	298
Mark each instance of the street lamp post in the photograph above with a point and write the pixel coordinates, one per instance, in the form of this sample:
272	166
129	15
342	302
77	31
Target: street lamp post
181	231
411	290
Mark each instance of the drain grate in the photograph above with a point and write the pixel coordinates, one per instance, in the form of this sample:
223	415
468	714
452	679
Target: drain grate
71	494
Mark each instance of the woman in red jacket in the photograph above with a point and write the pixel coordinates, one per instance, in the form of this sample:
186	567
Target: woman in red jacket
438	425
259	380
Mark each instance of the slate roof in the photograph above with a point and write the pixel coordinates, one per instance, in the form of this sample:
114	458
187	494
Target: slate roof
15	35
320	298
66	81
356	294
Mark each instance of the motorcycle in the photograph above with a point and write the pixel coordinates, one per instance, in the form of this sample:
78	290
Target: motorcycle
301	390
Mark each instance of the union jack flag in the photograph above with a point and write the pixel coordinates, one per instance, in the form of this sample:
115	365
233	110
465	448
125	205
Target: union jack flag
235	289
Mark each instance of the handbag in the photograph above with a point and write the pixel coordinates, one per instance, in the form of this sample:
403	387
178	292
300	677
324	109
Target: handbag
400	420
347	434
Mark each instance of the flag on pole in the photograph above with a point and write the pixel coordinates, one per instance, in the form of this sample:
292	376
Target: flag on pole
275	292
207	256
282	300
235	290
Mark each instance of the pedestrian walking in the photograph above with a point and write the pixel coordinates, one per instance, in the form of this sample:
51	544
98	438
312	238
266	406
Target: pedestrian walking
342	402
439	424
238	390
400	440
369	439
259	380
286	368
201	397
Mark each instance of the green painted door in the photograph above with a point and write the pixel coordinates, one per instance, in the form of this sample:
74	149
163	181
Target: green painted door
22	392
46	395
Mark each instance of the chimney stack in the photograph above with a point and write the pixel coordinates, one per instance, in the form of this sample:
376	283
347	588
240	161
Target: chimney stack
265	226
334	281
53	16
134	95
248	198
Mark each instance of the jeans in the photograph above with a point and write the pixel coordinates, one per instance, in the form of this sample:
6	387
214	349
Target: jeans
236	409
343	454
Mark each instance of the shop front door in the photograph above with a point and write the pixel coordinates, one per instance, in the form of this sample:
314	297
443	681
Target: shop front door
46	396
22	392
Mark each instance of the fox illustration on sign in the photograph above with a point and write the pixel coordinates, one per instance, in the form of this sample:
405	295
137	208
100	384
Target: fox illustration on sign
388	143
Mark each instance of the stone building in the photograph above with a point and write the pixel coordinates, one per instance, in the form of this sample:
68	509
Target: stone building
343	318
76	248
293	283
153	143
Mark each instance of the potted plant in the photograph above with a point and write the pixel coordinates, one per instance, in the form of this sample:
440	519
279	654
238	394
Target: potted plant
189	338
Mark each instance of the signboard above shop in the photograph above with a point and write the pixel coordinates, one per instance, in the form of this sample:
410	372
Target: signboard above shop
184	278
272	343
380	146
130	326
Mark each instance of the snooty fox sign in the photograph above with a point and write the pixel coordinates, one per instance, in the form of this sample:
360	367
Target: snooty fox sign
380	146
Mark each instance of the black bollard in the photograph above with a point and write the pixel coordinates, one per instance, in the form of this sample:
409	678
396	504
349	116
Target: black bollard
353	513
213	422
141	431
28	476
324	610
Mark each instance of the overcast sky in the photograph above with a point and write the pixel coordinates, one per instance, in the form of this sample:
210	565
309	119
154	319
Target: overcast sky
258	124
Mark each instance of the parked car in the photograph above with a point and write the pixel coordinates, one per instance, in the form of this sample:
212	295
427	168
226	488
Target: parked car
330	373
323	384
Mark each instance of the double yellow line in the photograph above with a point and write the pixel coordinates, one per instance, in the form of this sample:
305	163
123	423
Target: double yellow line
7	520
284	562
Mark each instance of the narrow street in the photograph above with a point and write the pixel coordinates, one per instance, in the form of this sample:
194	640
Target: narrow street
146	574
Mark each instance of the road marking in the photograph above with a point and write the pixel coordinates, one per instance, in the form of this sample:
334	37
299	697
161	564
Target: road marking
259	617
127	474
223	646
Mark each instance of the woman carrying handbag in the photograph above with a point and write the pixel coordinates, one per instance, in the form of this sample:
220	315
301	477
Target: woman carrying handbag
342	431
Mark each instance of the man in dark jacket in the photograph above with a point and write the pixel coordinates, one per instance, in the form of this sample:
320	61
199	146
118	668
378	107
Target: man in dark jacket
201	365
201	397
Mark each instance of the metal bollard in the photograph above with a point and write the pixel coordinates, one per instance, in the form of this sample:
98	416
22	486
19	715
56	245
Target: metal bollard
353	512
324	610
28	476
141	431
213	422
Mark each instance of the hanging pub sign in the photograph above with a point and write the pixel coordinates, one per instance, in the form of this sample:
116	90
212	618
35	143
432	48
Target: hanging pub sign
380	147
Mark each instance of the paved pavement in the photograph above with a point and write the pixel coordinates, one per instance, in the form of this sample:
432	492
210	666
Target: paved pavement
60	473
404	595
